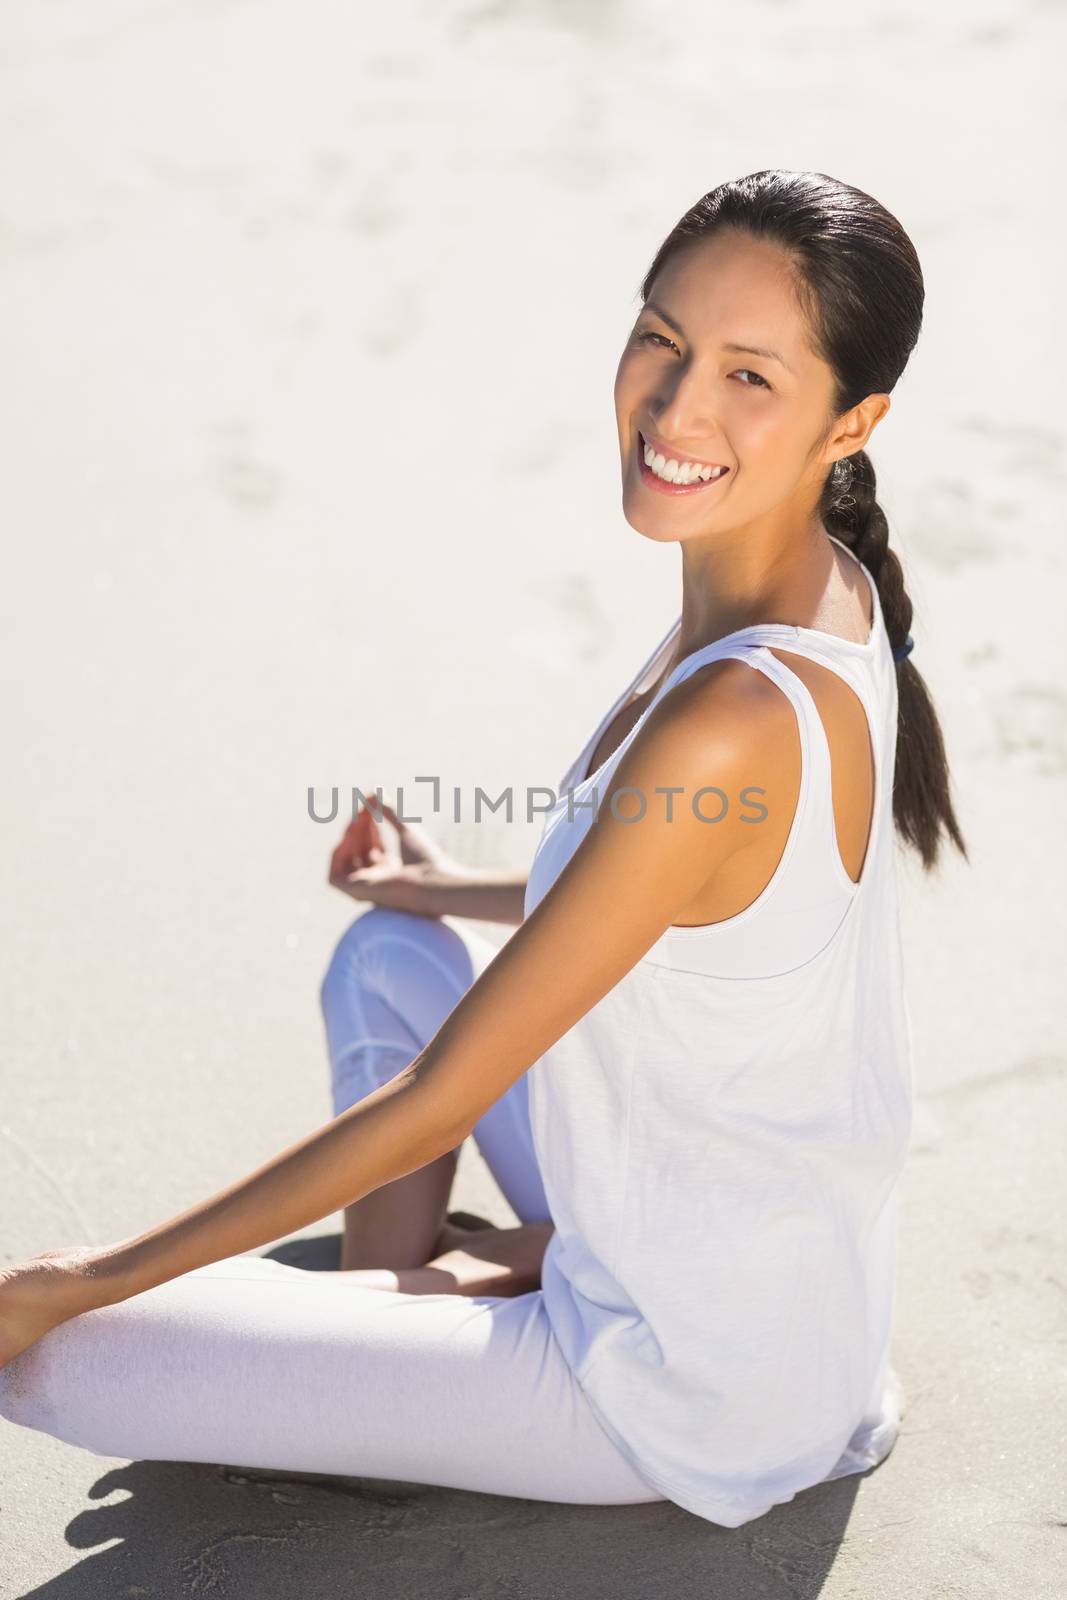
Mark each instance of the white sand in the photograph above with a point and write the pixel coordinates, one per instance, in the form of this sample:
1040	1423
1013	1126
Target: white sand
265	270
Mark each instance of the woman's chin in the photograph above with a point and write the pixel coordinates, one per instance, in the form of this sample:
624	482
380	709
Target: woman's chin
648	525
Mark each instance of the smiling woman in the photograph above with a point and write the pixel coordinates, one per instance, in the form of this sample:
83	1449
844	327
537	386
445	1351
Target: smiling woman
692	1057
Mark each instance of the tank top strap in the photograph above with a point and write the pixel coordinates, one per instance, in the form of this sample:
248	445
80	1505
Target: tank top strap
812	850
637	684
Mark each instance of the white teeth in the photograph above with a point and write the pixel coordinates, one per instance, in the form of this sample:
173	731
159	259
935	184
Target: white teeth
677	471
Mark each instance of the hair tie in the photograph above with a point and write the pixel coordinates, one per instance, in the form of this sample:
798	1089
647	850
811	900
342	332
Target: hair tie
905	649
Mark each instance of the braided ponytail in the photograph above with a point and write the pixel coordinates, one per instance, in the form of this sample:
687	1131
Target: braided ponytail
858	280
922	805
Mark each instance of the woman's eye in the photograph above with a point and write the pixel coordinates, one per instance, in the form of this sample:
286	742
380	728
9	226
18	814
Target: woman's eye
649	334
759	380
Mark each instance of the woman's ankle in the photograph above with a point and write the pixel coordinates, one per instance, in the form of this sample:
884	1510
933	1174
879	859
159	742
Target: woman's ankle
494	1261
504	1261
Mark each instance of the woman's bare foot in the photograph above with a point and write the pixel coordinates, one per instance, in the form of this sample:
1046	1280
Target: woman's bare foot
455	1234
505	1261
500	1261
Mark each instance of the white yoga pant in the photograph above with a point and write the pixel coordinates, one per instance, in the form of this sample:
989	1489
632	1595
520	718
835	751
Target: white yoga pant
253	1363
392	982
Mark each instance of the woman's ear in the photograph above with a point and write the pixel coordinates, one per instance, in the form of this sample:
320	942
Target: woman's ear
857	426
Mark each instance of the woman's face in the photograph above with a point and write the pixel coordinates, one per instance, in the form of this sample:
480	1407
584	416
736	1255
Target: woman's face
684	389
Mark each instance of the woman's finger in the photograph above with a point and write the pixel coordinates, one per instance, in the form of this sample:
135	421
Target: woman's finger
385	808
358	843
344	857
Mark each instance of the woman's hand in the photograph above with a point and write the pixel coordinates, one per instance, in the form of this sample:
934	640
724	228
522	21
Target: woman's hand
38	1294
403	875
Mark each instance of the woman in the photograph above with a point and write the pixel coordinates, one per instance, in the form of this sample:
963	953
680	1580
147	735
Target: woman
690	1062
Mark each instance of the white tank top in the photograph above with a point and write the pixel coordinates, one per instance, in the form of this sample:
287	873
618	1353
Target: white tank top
720	1139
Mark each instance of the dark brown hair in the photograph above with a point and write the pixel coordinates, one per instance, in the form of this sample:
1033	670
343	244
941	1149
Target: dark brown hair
860	286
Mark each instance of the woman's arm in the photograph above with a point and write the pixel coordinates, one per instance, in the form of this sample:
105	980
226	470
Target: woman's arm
486	894
395	1130
623	886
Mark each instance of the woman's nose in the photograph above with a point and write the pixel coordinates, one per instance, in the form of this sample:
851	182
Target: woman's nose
682	411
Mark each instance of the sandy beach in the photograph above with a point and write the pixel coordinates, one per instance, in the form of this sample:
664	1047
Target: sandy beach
247	256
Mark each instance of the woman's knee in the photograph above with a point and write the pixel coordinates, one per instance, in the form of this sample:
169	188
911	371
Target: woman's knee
382	947
23	1391
350	952
34	1384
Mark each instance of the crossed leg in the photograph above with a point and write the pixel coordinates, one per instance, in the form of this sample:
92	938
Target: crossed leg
391	982
253	1363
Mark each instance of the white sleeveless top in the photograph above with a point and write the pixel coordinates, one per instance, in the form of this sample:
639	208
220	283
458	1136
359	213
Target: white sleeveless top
720	1139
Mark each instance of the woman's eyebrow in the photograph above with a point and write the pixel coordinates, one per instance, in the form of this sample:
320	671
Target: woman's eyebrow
742	349
754	350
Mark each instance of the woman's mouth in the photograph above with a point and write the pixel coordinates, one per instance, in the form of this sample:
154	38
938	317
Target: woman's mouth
669	475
